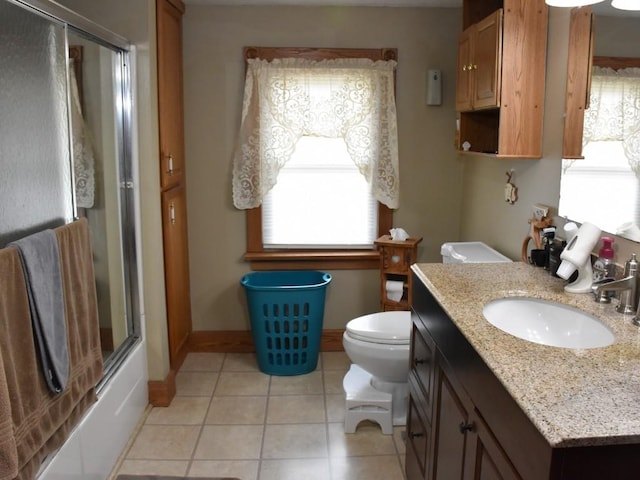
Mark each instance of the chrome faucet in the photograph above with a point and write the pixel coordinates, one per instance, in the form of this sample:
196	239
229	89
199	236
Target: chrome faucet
628	286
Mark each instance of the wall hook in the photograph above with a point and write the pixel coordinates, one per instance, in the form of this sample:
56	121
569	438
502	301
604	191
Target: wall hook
510	190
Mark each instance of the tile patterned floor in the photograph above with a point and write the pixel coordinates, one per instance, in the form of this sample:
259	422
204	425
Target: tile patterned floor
230	419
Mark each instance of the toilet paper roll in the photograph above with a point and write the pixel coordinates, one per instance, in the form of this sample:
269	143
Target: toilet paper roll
394	290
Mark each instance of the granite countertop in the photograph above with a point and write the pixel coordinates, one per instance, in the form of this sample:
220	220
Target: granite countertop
575	397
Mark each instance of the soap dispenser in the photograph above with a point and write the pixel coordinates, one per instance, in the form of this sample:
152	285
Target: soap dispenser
604	267
577	256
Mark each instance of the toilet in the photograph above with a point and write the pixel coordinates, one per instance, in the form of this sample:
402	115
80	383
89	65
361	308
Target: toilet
376	384
378	345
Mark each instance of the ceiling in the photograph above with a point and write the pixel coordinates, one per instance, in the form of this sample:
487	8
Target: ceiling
603	8
360	3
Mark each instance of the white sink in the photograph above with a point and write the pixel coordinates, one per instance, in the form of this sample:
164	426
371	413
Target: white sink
547	323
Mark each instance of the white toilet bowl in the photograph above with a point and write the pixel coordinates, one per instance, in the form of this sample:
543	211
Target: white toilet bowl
379	345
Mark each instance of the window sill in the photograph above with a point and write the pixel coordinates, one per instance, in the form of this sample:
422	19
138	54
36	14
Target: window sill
312	259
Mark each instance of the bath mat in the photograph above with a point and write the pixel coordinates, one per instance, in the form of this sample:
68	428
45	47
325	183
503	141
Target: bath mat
164	477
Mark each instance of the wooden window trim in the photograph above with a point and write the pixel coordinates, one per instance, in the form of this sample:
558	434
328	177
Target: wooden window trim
351	259
616	63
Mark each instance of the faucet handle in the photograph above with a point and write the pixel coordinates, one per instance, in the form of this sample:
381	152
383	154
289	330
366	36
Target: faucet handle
601	294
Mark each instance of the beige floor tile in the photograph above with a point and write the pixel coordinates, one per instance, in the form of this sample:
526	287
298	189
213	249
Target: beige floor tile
307	469
296	409
242	383
308	384
240	362
333	381
195	383
202	362
366	468
229	442
368	440
241	469
154	467
335	361
164	442
335	408
295	441
398	439
237	410
182	411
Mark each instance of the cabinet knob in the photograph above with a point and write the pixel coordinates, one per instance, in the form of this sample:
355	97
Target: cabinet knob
415	435
465	427
420	361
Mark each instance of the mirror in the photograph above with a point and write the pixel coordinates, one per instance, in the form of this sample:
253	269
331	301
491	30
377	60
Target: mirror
65	149
95	125
600	182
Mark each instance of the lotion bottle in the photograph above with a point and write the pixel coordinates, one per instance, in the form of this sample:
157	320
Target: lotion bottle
604	267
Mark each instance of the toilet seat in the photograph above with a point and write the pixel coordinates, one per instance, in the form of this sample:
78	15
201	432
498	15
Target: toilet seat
388	328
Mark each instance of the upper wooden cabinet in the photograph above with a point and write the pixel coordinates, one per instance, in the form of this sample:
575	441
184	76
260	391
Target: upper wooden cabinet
501	77
479	56
579	63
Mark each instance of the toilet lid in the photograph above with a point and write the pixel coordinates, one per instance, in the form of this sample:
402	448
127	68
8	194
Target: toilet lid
390	328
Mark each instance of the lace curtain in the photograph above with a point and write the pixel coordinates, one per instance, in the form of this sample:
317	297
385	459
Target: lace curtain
286	99
614	111
82	151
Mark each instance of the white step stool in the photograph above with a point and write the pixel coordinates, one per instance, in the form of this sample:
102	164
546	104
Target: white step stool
363	402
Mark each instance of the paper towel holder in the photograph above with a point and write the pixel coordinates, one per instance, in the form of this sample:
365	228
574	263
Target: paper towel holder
396	258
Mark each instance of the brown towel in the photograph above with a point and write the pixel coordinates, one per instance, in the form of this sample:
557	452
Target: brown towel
14	308
42	421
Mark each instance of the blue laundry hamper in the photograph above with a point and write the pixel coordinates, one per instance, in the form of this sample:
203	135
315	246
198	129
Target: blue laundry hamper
286	309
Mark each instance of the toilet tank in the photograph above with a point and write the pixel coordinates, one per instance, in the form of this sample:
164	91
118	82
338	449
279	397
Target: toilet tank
470	252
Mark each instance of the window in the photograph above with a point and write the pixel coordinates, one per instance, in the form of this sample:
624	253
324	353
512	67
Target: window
321	212
321	200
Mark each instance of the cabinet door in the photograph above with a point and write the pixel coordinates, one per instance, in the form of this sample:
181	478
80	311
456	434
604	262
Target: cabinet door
176	265
485	459
423	365
487	54
451	423
464	73
579	63
418	456
170	107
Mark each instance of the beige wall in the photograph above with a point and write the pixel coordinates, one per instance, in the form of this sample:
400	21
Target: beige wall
431	172
485	214
438	203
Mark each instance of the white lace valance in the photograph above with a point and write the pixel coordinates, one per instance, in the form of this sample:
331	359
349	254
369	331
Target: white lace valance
614	111
285	99
82	149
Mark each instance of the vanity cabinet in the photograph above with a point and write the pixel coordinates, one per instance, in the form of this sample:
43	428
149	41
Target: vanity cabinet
463	424
396	258
500	76
446	437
